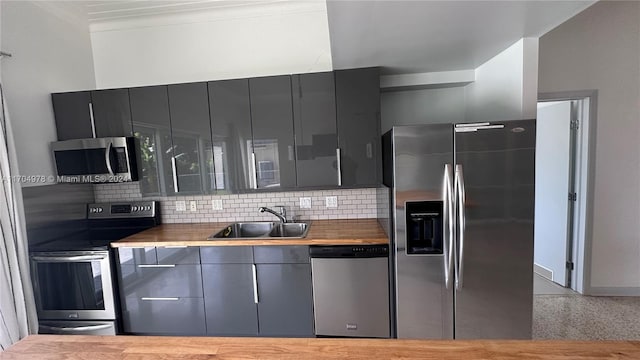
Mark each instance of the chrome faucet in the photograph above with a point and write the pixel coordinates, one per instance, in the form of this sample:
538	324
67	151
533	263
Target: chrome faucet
282	215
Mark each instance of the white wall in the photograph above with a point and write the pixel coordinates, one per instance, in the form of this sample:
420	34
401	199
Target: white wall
279	38
506	86
600	49
427	106
51	52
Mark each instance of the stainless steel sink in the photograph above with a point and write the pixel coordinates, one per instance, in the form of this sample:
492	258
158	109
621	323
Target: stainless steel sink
289	230
261	230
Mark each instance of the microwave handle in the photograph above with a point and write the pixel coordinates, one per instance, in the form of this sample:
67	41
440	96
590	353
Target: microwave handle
107	159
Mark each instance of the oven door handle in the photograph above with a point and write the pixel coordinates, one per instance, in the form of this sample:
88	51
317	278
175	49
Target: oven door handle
77	328
68	258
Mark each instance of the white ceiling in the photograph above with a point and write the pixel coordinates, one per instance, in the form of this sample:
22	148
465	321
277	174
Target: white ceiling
401	36
433	36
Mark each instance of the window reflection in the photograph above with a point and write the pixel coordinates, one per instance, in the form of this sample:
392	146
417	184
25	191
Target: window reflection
267	162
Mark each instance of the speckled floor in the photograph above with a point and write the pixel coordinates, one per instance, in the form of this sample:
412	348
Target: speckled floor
578	317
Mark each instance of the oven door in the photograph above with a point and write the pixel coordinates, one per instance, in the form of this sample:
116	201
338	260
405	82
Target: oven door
73	285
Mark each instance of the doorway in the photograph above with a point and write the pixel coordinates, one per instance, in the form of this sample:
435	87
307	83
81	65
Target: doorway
563	165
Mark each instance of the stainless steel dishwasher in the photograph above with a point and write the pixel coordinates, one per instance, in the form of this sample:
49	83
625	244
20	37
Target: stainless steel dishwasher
351	290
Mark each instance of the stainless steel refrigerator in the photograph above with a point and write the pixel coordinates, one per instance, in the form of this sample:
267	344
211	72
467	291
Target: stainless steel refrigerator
462	202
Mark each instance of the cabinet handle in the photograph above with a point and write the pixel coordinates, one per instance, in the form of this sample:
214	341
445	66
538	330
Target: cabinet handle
290	150
174	247
339	165
93	120
369	150
255	284
159	299
174	173
254	171
156	266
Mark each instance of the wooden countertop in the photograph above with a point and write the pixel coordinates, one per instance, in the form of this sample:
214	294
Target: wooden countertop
150	347
322	232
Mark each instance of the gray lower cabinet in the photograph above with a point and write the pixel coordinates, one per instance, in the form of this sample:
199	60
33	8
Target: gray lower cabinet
229	299
234	291
161	291
260	290
181	316
285	302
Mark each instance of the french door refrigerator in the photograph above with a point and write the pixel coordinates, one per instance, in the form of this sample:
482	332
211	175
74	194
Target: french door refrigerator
462	202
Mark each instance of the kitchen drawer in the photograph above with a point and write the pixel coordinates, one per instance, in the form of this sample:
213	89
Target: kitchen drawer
226	255
164	316
161	280
281	254
172	255
137	256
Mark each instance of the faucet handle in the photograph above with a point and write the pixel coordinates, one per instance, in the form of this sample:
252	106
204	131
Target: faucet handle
283	211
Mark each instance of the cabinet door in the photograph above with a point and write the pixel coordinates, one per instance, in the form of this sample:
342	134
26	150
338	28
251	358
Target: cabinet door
314	114
191	138
231	127
73	115
168	316
358	111
285	303
229	299
152	125
272	123
111	112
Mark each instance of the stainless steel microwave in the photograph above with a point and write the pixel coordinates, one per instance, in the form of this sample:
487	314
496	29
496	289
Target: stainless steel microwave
98	160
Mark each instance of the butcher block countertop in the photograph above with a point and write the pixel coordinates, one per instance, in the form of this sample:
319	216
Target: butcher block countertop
150	347
321	232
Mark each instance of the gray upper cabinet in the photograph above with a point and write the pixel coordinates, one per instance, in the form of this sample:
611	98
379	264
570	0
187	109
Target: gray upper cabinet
152	126
231	127
192	163
314	114
79	114
73	115
358	112
111	112
273	138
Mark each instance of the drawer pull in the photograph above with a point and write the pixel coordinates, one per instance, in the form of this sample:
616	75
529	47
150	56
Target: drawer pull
175	247
159	299
156	266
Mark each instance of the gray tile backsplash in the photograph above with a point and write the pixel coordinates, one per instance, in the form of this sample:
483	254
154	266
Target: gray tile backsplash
352	204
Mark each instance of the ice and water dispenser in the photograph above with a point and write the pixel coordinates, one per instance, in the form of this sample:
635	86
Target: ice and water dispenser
424	227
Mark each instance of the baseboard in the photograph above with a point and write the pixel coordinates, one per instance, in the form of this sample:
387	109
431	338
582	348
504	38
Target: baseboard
543	271
613	291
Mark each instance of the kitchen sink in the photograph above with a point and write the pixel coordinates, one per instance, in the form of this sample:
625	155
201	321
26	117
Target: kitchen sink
262	230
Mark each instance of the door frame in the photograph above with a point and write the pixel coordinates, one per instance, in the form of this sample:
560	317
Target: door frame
584	185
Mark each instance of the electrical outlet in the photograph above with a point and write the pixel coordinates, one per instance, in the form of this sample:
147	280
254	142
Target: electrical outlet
305	203
193	206
181	206
216	204
331	201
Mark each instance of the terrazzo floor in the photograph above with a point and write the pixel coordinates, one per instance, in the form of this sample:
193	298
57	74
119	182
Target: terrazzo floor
576	317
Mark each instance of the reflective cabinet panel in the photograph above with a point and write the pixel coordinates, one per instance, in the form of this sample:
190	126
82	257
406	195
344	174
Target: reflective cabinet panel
272	123
231	127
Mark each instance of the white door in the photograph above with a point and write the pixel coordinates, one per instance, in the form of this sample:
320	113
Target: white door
553	159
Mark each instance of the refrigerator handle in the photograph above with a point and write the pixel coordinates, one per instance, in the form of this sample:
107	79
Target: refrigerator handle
448	217
460	197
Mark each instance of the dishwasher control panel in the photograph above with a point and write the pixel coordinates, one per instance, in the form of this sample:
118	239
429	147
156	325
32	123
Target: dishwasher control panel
342	251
